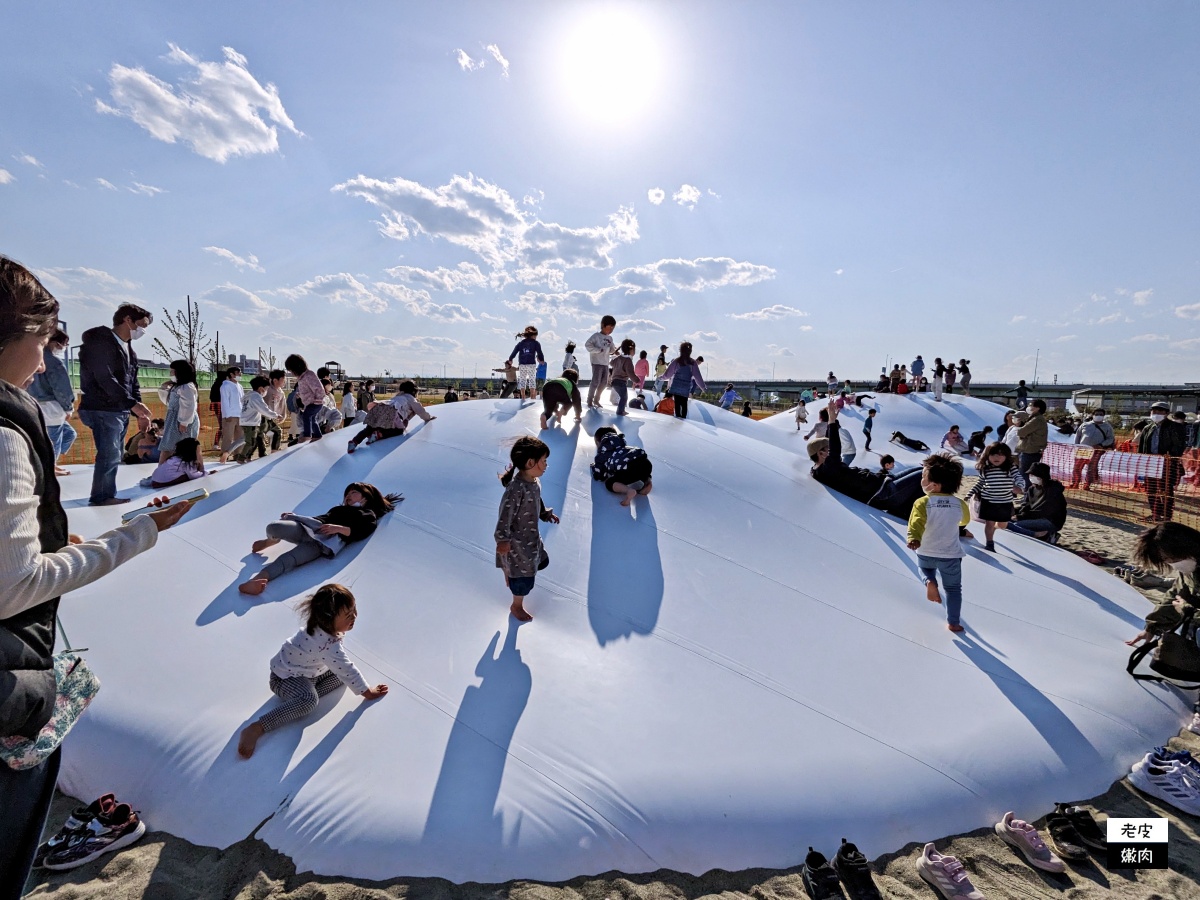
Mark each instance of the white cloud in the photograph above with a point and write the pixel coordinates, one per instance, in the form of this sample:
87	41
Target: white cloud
838	271
1099	298
419	303
634	326
1191	311
534	201
238	305
250	261
106	184
1062	339
776	350
1016	319
218	109
465	62
464	277
1145	338
28	160
499	58
687	195
694	274
7	177
619	300
94	289
1140	298
656	195
708	337
547	243
339	288
147	190
1110	319
767	313
1189	344
418	344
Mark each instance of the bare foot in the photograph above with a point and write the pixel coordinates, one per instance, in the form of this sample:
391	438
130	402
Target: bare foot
260	546
518	613
254	586
249	740
931	592
955	628
60	471
647	489
543	423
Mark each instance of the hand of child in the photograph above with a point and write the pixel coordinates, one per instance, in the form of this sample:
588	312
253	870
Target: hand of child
334	529
286	515
503	548
913	545
380	690
1141	636
74	539
551	517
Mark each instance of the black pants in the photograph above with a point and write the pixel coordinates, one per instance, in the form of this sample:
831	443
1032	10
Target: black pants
680	405
897	495
26	799
384	434
506	391
1160	492
554	396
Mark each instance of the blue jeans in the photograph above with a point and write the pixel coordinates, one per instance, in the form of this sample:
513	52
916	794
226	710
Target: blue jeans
108	431
621	386
1025	462
951	570
1031	527
61	437
308	421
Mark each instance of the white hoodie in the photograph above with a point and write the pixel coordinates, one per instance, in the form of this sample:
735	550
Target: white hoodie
600	348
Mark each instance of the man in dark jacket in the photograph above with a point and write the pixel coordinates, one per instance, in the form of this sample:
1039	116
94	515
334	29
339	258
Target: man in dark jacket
1168	439
877	489
1043	512
108	370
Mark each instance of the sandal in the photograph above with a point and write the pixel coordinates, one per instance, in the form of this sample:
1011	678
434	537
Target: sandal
1091	556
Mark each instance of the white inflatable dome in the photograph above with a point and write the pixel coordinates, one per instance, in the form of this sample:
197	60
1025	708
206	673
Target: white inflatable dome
742	665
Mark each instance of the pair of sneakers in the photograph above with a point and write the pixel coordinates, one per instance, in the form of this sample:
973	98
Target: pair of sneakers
1171	776
823	879
1023	837
90	831
1073	832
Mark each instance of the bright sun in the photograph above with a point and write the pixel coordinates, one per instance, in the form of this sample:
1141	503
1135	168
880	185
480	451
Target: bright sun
611	65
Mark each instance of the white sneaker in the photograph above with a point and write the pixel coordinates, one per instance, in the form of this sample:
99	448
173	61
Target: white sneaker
1024	837
1167	784
946	875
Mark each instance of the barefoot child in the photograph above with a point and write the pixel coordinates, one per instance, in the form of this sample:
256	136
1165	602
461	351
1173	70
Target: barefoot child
316	536
999	482
624	470
312	664
933	531
519	551
559	395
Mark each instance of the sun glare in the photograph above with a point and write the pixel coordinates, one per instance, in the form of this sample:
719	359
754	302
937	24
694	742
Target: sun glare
612	66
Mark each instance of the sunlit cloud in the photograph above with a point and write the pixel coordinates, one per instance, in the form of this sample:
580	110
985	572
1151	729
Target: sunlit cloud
464	277
494	50
695	274
1191	311
1147	338
656	195
838	271
93	289
469	64
7	177
708	337
1140	298
1110	319
687	195
218	109
341	288
28	160
106	184
1065	338
643	326
250	261
419	303
147	190
237	305
769	313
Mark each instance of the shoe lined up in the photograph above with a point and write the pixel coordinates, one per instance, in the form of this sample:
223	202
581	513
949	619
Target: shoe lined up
90	831
824	879
1170	776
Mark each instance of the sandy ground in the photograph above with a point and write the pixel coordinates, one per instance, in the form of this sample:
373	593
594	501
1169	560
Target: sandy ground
162	867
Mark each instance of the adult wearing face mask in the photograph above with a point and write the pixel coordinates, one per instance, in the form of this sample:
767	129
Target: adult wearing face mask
1168	439
1043	512
1032	438
1098	436
53	391
108	377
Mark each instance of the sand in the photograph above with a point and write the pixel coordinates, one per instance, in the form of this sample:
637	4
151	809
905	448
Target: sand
162	867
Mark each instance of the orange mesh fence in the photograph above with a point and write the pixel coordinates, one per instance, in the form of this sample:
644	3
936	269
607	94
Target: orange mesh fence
1135	487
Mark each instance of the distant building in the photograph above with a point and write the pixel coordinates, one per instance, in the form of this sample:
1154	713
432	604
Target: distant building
247	365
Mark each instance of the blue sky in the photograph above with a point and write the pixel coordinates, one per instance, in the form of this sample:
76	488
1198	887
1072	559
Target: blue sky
796	187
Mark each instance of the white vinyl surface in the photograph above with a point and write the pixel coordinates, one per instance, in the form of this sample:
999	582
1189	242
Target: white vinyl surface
742	665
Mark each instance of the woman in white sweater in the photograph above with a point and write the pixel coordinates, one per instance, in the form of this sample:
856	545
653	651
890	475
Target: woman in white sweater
39	562
182	399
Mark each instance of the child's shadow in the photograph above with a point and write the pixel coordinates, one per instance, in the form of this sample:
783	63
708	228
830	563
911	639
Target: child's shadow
878	520
625	574
1078	586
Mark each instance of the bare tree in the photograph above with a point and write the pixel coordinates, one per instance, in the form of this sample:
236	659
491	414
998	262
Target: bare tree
266	361
214	354
187	332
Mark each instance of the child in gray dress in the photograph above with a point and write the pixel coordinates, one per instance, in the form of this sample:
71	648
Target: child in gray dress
519	551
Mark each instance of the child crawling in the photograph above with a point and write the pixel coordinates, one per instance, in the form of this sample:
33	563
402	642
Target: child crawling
624	470
316	536
312	664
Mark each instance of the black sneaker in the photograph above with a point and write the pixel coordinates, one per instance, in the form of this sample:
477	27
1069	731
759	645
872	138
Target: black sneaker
1064	837
1089	832
820	880
851	866
75	825
105	833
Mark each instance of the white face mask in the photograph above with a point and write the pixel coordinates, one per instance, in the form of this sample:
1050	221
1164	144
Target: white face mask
356	505
1097	418
1157	417
137	333
59	352
1184	566
1033	479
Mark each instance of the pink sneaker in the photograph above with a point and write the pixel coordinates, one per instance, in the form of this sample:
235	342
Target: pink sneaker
1024	837
946	875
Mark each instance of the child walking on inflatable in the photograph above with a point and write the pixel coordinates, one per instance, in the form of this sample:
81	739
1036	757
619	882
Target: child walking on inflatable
624	470
312	664
388	418
519	551
356	518
999	482
933	531
528	353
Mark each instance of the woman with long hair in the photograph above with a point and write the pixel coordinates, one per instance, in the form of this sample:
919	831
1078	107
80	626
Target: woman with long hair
181	398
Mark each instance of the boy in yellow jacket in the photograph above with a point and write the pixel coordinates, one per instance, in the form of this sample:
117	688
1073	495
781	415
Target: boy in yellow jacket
933	531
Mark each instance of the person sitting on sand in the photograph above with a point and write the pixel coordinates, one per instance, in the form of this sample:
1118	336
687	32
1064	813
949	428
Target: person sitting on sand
560	394
624	470
311	664
315	536
187	463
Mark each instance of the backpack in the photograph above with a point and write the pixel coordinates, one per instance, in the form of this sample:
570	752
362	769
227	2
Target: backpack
665	405
1175	656
293	402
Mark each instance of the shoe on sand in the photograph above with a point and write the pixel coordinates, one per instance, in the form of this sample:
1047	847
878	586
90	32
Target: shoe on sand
946	875
1194	725
851	866
1025	838
1064	837
107	832
1086	827
76	823
820	880
1167	783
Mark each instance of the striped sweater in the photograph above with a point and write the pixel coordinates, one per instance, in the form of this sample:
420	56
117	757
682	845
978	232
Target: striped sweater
997	485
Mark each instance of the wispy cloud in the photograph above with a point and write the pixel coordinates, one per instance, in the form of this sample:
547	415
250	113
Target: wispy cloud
106	184
687	195
250	261
93	289
708	337
838	271
419	303
776	350
28	160
494	50
1016	320
1191	311
464	60
656	195
701	274
219	109
1065	338
470	64
1140	298
1146	338
465	277
417	344
7	177
642	326
1189	344
1110	318
341	288
147	190
769	313
237	305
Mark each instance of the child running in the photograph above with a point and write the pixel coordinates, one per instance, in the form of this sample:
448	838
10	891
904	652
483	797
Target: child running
933	531
519	551
310	397
559	395
312	664
356	518
388	418
186	464
999	482
641	369
624	470
528	353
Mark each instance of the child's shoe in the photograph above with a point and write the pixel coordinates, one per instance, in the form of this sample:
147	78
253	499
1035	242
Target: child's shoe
109	831
819	878
851	866
351	447
989	546
1025	838
946	875
955	628
75	825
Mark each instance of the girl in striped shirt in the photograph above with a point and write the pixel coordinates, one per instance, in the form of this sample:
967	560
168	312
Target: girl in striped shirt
999	482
